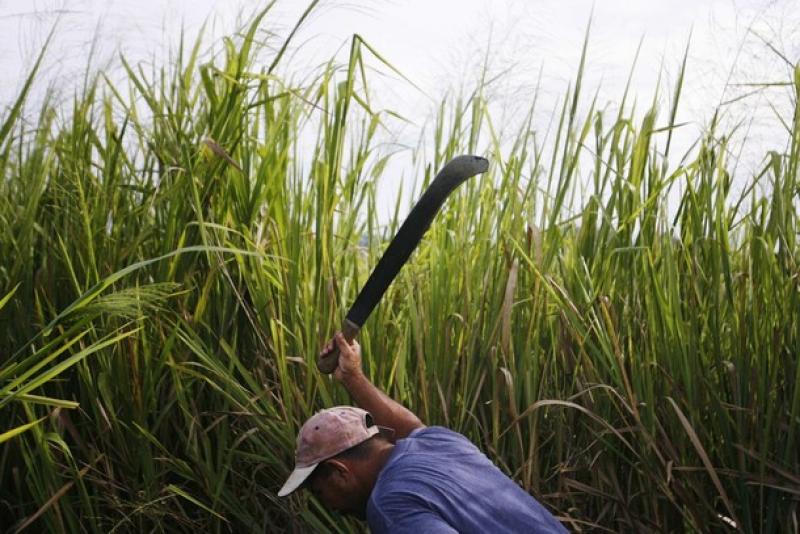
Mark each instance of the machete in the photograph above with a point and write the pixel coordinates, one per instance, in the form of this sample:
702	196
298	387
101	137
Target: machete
419	219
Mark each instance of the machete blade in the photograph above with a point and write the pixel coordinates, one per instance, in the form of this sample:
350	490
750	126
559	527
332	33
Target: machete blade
453	174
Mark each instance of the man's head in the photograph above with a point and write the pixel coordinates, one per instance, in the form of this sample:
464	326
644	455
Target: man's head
339	454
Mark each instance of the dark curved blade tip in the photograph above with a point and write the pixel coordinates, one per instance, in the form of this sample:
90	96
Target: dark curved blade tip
453	174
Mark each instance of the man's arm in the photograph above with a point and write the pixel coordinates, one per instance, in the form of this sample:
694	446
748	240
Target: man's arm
385	411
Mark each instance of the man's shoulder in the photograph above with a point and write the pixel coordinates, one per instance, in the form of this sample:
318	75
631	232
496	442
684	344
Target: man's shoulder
427	449
437	433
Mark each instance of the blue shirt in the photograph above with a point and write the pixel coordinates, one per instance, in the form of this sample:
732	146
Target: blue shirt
436	481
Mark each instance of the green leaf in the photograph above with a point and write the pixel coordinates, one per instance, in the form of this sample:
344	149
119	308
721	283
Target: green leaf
5	436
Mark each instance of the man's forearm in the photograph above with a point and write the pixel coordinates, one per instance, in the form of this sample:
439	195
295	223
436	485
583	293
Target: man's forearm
385	410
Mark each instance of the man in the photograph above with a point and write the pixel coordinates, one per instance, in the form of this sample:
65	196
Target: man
422	480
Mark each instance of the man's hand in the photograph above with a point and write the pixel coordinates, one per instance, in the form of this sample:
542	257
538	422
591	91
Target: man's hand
349	358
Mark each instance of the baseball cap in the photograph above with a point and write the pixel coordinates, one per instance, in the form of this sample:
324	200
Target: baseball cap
326	434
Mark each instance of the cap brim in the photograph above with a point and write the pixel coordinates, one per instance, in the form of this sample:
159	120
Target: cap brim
296	479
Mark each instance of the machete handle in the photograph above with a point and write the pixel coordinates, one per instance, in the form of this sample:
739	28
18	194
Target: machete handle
329	361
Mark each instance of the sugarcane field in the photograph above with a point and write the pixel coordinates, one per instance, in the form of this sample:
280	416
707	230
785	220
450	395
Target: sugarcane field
407	267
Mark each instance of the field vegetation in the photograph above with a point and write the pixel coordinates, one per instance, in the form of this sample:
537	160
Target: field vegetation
617	327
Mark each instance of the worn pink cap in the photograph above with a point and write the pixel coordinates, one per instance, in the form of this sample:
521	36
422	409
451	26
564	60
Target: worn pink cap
325	435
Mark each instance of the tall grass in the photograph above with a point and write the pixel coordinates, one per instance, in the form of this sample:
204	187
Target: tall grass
171	260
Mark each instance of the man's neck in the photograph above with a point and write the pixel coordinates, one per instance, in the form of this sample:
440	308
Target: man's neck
378	461
368	472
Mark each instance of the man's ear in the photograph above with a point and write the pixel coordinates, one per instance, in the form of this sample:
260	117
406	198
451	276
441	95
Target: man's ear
338	471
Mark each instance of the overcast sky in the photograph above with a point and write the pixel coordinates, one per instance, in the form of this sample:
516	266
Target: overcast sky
440	43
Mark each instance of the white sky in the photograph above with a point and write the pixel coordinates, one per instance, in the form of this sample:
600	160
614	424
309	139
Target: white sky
441	43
